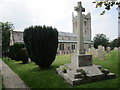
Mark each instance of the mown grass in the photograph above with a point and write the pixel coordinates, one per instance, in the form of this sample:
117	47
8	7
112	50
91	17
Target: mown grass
37	78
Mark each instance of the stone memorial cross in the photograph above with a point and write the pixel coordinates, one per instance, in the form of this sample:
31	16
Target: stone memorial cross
80	38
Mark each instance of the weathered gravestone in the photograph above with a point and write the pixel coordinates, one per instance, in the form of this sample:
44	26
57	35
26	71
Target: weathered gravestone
115	48
119	49
101	53
93	51
108	49
82	70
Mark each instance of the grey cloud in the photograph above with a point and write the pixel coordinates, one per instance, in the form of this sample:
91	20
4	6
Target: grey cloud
17	13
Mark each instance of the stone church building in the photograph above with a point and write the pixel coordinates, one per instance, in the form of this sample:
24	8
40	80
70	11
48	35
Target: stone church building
67	41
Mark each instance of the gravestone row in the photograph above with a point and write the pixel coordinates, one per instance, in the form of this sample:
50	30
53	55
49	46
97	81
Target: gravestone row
100	52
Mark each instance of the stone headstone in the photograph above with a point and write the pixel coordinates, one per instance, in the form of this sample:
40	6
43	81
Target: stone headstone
101	53
108	49
96	53
119	49
115	48
93	51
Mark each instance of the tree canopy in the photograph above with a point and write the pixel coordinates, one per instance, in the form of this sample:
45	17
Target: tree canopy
100	39
5	28
115	43
107	4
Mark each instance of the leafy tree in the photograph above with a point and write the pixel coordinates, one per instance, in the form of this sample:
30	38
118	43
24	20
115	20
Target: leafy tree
115	43
41	43
100	39
6	27
108	4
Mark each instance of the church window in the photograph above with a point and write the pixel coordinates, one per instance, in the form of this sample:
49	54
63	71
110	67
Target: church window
68	48
69	38
85	23
61	46
76	24
73	47
89	46
85	31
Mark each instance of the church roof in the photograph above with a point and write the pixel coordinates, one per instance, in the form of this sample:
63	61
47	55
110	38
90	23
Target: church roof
74	41
67	41
18	37
67	34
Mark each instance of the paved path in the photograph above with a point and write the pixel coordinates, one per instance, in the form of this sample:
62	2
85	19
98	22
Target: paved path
10	78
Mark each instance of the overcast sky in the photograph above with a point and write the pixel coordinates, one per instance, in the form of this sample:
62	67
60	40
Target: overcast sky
57	13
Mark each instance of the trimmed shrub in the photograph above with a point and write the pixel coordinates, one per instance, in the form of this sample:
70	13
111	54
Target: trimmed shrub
18	53
41	43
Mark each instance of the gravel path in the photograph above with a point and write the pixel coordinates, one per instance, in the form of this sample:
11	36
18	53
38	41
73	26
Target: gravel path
10	78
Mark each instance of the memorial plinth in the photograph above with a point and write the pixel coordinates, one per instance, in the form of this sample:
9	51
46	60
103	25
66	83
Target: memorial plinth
81	60
81	69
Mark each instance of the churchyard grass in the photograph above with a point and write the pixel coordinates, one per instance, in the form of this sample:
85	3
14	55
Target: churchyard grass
36	78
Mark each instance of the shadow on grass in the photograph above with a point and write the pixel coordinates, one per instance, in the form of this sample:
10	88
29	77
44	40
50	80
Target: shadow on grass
38	69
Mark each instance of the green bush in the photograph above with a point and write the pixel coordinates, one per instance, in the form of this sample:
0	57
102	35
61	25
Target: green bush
18	53
41	43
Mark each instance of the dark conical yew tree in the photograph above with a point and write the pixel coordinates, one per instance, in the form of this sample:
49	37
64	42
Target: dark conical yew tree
18	53
41	43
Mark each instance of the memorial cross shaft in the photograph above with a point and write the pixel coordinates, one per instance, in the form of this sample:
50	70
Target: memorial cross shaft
80	37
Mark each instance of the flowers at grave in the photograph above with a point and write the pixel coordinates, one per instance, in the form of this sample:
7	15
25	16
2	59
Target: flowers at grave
64	69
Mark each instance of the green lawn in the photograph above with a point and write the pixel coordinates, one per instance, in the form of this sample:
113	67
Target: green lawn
36	78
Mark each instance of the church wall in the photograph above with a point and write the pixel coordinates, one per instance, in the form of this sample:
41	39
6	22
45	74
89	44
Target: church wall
66	48
86	29
86	26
